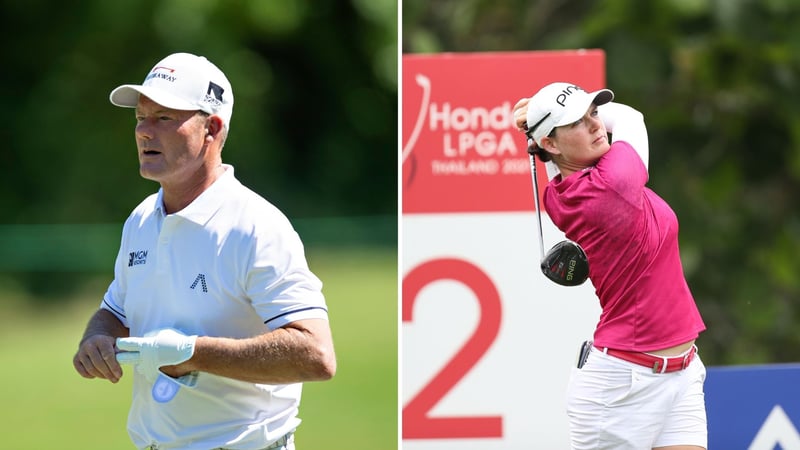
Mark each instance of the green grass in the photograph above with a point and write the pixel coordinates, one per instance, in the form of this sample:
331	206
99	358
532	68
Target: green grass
46	404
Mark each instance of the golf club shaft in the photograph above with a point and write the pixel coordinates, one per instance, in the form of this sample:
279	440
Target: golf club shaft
536	202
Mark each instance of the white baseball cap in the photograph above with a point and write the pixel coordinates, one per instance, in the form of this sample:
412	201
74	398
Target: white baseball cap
559	104
182	81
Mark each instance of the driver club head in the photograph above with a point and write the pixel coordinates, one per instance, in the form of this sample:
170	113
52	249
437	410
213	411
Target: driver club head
566	264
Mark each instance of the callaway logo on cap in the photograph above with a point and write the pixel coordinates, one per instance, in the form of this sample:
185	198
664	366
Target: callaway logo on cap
182	81
559	104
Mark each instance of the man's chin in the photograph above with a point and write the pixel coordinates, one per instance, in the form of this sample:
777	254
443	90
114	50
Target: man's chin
148	173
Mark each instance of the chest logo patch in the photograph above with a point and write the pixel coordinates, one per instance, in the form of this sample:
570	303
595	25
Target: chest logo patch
201	279
136	258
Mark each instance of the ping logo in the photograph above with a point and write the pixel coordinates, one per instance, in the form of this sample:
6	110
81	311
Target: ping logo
571	271
202	280
561	99
136	258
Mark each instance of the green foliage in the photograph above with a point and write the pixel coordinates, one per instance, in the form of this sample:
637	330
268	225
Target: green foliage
314	126
719	84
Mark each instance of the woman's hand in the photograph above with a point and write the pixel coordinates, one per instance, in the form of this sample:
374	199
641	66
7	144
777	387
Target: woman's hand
521	114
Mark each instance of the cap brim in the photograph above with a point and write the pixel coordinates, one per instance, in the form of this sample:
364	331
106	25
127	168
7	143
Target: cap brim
602	96
579	108
127	96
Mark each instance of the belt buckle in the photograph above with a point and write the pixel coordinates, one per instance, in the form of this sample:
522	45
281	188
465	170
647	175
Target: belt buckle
663	367
280	442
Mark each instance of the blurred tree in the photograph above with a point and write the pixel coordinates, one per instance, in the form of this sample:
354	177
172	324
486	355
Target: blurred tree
719	84
314	126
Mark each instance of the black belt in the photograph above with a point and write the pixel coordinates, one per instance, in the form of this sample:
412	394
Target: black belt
277	444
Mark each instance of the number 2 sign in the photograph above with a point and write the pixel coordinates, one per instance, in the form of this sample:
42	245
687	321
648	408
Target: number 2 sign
417	422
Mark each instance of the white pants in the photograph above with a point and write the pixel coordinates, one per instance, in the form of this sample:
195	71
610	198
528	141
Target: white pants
615	404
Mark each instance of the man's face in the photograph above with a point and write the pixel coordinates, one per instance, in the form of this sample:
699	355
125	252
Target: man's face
171	142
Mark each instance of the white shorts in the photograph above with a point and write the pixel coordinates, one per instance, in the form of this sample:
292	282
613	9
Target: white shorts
615	404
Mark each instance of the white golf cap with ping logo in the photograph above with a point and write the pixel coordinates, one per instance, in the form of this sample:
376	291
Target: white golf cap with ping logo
559	104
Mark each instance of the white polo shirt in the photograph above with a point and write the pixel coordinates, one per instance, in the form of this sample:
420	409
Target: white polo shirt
229	264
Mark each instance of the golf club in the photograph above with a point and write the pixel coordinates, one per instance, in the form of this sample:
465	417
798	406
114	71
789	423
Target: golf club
565	263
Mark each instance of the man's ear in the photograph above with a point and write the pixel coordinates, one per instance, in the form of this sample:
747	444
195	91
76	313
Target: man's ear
214	126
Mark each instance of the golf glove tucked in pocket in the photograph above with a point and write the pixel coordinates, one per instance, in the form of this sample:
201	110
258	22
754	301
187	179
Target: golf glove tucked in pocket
165	347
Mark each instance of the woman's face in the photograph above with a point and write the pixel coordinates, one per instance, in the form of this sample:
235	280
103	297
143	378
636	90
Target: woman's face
580	144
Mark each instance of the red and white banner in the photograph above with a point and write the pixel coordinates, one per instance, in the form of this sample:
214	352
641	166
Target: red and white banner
488	343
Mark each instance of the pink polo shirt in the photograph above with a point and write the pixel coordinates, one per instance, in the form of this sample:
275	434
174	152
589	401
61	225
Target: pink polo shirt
630	236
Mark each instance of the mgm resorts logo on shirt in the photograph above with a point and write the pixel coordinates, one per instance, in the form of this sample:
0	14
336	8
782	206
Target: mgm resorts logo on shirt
136	258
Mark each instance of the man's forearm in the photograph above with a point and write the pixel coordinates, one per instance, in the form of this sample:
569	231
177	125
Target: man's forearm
105	323
286	355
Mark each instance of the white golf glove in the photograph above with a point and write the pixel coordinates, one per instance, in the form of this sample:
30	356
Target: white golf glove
165	347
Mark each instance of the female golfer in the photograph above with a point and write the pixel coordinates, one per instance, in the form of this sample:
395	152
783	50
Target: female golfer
641	386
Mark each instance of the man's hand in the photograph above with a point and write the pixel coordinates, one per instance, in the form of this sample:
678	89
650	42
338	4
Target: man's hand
165	347
95	358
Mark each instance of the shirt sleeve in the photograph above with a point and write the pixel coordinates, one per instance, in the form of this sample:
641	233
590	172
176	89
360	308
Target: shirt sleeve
114	298
626	124
623	171
279	282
